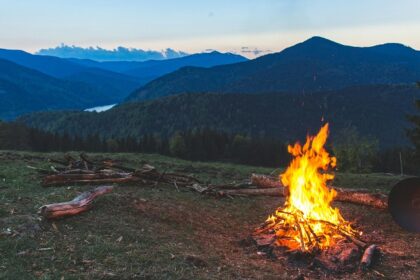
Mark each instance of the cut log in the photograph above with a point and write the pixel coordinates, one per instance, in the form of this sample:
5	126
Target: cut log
357	196
80	204
368	256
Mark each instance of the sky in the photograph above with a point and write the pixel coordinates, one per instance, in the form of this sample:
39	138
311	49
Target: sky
241	26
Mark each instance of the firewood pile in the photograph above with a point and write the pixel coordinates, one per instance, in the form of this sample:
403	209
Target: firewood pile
85	171
346	255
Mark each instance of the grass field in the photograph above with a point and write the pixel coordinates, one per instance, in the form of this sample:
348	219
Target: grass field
158	232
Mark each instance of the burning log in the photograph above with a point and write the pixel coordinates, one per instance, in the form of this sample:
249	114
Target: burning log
81	203
356	196
368	256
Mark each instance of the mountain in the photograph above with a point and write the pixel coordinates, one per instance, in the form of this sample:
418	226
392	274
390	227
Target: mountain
114	86
316	64
378	111
156	68
24	90
50	65
149	70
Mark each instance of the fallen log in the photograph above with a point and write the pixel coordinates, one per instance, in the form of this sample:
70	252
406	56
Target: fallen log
254	192
356	196
84	176
368	256
120	180
81	203
376	200
264	181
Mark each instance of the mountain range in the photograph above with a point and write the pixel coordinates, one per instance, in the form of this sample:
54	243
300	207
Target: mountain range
316	64
280	95
105	85
147	71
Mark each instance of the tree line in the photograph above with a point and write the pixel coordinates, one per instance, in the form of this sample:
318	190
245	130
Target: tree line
197	144
355	153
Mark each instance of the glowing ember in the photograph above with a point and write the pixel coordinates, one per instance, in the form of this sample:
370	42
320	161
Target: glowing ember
308	221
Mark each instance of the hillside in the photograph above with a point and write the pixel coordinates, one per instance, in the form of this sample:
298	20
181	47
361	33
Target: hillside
149	70
24	90
378	111
157	232
317	64
114	86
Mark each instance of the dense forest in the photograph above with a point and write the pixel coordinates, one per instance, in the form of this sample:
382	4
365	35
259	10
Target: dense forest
355	153
374	110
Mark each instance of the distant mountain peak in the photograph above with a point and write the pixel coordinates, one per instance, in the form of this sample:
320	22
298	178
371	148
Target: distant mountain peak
394	49
317	40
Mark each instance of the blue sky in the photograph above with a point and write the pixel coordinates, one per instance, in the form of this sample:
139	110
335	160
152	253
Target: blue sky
193	26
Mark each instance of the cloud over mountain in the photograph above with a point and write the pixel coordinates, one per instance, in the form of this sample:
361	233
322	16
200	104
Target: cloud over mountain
117	54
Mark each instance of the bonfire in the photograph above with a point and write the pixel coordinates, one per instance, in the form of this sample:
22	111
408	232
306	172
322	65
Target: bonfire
307	222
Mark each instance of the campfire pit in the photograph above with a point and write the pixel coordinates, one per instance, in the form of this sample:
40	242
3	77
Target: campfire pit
307	227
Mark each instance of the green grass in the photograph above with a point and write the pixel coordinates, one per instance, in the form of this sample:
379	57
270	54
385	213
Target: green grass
157	232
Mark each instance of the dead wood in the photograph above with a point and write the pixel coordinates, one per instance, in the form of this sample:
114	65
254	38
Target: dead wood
81	203
357	196
364	197
264	181
266	192
100	181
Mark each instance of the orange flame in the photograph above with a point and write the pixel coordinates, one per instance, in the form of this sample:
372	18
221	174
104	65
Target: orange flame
307	219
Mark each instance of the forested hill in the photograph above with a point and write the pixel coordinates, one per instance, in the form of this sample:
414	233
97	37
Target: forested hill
378	111
317	64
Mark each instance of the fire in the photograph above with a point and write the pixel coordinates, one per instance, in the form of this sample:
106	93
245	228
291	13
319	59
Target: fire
307	221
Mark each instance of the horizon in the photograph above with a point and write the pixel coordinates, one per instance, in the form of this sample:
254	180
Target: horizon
180	53
249	29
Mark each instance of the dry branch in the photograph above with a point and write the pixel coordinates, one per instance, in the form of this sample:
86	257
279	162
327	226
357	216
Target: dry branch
81	203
